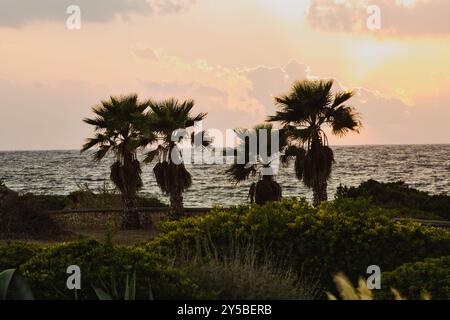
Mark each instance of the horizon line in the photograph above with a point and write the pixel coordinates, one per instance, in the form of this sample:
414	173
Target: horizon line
340	145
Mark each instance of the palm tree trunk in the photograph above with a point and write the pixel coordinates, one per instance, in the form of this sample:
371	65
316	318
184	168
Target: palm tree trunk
130	217
251	193
176	205
320	192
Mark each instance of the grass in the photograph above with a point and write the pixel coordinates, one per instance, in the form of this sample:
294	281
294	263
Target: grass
239	274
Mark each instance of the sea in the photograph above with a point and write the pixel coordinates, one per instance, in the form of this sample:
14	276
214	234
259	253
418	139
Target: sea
424	167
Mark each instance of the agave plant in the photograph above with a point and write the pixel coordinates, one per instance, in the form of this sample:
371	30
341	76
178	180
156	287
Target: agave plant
113	294
259	165
117	123
14	286
164	121
304	112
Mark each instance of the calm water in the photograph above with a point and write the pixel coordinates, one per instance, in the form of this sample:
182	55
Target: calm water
425	167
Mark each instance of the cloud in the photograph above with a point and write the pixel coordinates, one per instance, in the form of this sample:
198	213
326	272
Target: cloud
145	53
49	115
421	17
226	109
243	97
15	13
225	93
386	120
268	82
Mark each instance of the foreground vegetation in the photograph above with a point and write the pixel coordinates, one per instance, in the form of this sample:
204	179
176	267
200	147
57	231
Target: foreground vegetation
341	236
405	200
289	248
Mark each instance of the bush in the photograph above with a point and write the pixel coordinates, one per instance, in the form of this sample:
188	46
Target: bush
150	202
86	199
242	275
14	254
23	217
345	235
99	264
47	202
413	280
398	195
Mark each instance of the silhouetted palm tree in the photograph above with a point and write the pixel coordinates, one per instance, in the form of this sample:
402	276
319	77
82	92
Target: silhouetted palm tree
266	188
304	112
165	120
116	125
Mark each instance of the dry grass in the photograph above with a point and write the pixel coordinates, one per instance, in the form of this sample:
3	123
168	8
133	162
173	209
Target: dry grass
239	274
348	292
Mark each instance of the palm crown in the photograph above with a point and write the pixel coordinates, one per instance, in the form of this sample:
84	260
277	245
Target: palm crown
116	127
304	112
252	164
266	188
163	120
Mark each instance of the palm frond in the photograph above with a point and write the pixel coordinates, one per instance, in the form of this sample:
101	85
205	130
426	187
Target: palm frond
290	153
172	177
238	173
316	166
343	120
341	97
267	190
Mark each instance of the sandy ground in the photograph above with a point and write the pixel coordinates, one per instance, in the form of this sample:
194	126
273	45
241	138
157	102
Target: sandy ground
122	237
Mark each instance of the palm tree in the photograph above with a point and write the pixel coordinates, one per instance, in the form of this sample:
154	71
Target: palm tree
304	112
165	120
116	131
265	189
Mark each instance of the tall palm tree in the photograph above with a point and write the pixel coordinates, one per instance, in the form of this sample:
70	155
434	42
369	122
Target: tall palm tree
116	125
265	188
165	120
304	112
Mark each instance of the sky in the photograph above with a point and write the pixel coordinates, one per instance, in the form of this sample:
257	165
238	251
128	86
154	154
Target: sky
232	57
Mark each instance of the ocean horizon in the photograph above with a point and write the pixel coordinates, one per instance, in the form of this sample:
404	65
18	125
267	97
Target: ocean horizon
331	146
59	172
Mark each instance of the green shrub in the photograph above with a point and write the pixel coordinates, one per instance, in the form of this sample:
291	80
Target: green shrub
86	199
47	202
413	280
150	202
99	264
345	235
14	254
398	195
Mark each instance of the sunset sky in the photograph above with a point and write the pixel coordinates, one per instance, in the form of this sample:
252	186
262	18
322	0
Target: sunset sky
231	56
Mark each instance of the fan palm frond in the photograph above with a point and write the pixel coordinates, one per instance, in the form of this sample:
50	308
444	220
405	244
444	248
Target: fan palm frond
240	172
303	112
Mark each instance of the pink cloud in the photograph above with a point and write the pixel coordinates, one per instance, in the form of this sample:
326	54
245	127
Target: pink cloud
424	17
